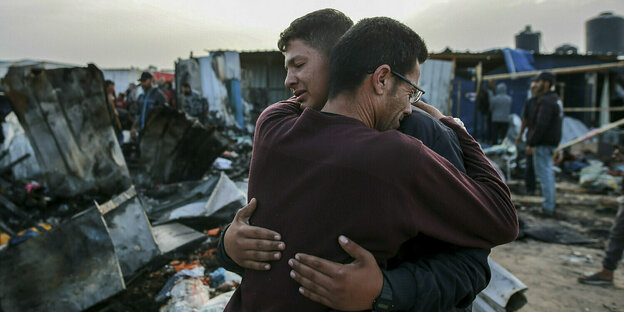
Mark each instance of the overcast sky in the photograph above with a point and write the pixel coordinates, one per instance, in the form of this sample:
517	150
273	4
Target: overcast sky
124	33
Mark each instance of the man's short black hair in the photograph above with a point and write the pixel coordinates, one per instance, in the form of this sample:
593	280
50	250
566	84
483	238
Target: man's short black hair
373	42
108	83
320	29
186	84
547	76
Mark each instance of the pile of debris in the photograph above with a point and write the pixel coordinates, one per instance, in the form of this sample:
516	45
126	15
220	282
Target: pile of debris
84	228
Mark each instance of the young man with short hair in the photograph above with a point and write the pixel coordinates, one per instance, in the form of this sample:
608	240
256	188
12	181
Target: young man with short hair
466	268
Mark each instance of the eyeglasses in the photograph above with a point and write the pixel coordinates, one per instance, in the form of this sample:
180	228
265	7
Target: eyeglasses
416	95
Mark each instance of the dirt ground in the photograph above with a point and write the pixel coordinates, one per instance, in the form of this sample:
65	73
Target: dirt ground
550	270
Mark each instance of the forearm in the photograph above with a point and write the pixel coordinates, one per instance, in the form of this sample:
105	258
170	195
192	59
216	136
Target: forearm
488	217
440	282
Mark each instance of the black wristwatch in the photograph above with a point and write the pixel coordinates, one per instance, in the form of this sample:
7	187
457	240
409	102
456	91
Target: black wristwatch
384	302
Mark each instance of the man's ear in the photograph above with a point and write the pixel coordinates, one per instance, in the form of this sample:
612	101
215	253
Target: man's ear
381	79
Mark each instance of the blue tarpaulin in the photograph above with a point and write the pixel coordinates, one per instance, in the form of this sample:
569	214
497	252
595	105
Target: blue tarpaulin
518	60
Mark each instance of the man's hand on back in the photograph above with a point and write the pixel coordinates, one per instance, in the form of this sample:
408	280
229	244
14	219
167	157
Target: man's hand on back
250	246
347	287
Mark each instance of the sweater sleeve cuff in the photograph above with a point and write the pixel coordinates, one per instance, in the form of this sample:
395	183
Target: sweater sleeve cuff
451	123
402	283
223	257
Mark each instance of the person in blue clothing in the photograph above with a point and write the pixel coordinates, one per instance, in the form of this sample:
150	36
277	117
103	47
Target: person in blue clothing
147	101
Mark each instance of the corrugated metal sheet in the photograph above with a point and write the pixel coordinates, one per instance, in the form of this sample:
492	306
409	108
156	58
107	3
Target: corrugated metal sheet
435	79
263	78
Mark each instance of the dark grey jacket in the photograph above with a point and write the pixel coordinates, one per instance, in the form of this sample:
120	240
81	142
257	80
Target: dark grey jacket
546	121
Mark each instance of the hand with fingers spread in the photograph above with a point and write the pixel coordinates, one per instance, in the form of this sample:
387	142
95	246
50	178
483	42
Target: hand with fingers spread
249	246
347	287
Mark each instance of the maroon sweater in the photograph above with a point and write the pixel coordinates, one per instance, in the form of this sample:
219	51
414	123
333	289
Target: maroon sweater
317	176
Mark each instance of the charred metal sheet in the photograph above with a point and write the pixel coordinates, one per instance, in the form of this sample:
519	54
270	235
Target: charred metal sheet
220	208
130	231
177	148
165	198
69	268
173	236
67	120
504	293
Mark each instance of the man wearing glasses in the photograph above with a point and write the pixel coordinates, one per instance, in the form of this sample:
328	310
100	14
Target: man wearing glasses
317	175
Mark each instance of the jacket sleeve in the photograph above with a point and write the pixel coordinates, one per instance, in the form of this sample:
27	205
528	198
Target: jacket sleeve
441	282
447	146
224	260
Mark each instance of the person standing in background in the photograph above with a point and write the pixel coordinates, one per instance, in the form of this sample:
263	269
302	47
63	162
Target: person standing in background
527	112
544	137
500	106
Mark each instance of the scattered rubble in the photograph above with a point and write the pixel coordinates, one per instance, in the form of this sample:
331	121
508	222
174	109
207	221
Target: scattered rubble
175	148
70	268
106	245
504	293
85	226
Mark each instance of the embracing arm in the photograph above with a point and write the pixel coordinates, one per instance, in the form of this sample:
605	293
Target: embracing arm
443	281
440	282
471	210
243	246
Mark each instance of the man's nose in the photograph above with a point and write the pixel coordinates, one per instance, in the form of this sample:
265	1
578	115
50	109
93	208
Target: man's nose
290	81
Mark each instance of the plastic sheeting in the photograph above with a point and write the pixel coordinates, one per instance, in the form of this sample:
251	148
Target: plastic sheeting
236	101
214	90
595	178
518	60
572	128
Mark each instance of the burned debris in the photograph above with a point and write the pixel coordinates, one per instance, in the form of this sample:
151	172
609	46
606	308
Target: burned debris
91	222
66	118
108	218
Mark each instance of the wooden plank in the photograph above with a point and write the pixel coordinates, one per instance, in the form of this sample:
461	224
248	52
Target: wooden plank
593	109
561	70
591	134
